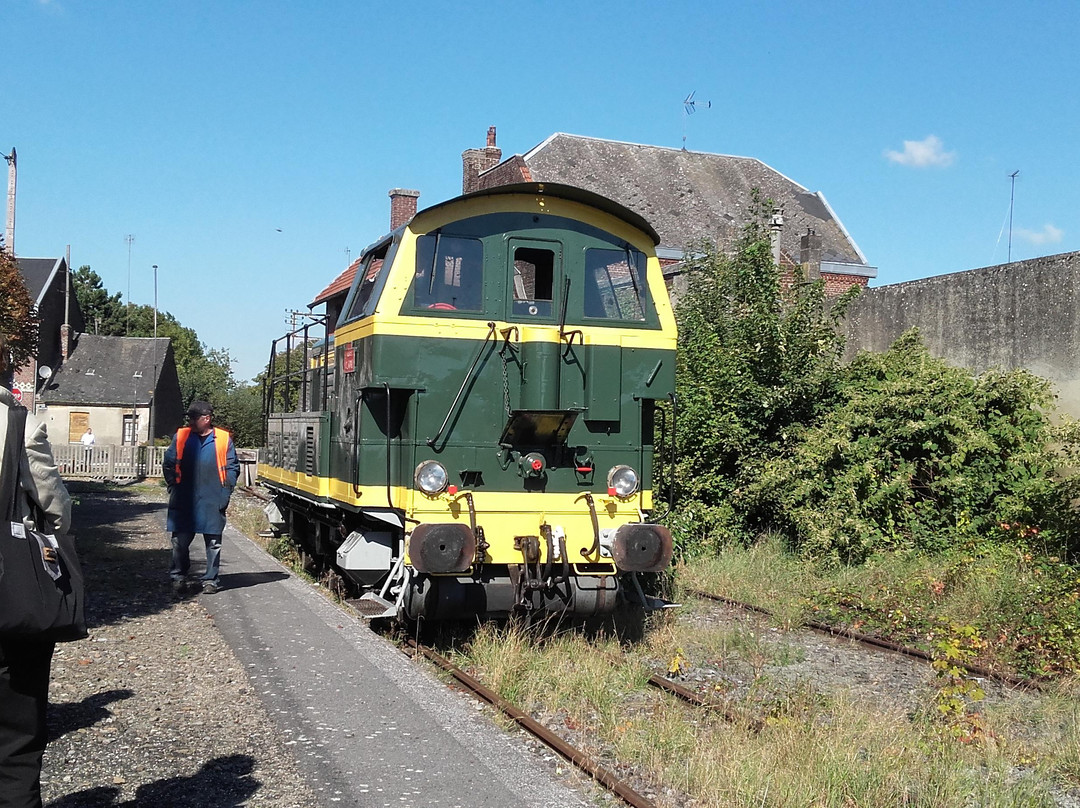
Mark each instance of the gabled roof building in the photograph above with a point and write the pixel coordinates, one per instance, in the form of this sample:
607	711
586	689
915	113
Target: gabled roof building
125	388
59	316
686	196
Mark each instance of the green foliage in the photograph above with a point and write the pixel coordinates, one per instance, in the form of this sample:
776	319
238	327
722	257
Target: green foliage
103	313
896	451
957	692
916	455
204	373
757	356
18	319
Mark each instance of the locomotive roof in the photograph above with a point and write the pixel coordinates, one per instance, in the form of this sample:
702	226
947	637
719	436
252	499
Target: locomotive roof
343	282
561	191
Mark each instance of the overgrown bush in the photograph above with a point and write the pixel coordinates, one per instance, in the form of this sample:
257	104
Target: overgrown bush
916	455
757	354
896	451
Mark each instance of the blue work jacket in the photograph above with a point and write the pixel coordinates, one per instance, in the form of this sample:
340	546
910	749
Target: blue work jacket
199	498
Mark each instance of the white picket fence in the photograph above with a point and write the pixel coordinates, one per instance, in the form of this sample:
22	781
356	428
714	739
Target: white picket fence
129	462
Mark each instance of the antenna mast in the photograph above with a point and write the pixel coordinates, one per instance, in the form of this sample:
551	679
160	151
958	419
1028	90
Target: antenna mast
1012	195
689	108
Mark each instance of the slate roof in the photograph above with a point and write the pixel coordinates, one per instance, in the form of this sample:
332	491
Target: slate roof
100	371
684	195
38	273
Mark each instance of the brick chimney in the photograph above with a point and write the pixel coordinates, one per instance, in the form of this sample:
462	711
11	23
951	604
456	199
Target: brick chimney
810	255
476	161
402	206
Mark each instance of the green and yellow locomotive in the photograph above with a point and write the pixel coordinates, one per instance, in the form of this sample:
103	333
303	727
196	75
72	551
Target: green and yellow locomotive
476	434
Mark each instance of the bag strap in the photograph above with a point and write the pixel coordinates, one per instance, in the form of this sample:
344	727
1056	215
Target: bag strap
10	464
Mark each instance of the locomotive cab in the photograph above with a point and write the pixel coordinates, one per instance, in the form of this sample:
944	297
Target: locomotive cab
477	433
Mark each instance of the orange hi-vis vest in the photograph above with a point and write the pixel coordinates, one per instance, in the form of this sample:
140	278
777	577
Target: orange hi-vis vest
221	449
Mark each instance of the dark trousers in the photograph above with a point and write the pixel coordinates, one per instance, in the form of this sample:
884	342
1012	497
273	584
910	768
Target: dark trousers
24	695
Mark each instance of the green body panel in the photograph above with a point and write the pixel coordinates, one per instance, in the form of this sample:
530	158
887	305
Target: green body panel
425	375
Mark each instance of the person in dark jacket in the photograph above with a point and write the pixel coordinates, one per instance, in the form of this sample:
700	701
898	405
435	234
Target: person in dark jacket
25	662
200	469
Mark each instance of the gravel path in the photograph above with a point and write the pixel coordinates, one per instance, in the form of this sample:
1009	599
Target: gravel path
153	709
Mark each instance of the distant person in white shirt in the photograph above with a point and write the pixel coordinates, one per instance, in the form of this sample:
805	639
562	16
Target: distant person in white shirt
87	439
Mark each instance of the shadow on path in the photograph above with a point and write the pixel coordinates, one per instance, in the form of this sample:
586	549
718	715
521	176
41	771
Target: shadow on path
224	782
73	716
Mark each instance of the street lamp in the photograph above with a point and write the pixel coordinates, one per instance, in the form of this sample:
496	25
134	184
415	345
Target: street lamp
151	424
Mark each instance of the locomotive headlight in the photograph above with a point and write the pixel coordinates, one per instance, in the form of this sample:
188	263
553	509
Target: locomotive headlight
622	481
431	477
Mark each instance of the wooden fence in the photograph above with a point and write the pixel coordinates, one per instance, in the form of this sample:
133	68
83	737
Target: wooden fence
129	462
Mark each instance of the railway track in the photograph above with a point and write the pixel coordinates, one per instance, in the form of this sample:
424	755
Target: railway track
871	641
608	778
553	741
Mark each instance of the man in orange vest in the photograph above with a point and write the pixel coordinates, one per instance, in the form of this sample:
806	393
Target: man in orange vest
200	469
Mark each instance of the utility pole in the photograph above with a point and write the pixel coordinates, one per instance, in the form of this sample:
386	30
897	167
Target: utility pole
10	233
1012	195
153	395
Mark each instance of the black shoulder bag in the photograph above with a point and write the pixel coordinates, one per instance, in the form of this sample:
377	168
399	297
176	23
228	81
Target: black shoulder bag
41	581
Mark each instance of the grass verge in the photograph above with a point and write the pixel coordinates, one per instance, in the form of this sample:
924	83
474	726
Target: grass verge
794	747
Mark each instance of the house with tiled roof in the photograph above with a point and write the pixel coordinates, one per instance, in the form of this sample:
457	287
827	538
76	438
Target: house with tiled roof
686	196
49	285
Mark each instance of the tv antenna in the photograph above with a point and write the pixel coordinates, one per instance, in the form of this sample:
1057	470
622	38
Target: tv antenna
1012	196
690	106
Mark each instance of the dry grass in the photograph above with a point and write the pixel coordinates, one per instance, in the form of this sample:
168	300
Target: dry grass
797	747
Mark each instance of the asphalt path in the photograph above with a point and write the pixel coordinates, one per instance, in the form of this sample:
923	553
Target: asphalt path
368	726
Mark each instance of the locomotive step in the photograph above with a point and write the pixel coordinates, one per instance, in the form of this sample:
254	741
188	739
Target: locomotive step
370	606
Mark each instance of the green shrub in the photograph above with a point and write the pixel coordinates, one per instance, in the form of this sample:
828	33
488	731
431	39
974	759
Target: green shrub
896	451
918	455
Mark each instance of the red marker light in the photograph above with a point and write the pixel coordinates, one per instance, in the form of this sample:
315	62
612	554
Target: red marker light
537	465
451	489
610	491
584	469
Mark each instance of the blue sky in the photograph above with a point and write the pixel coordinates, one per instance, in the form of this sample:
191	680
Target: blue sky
248	145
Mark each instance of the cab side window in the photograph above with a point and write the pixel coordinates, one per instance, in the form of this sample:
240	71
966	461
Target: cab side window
449	273
615	284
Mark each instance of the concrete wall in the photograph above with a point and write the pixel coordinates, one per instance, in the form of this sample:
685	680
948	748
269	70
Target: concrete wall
1020	315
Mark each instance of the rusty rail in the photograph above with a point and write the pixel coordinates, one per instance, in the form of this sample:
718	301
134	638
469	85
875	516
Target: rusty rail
531	725
876	642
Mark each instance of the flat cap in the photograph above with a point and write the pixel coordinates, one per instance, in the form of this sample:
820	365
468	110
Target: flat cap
200	408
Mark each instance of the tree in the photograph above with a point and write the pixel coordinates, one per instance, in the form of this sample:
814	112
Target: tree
103	313
757	355
895	451
18	319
